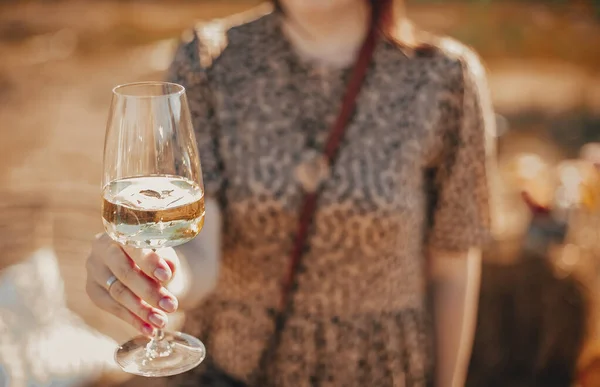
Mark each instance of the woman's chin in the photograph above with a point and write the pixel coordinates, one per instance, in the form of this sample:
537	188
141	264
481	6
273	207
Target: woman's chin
316	6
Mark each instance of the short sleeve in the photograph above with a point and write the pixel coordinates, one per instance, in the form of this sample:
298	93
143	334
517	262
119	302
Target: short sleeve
187	70
461	216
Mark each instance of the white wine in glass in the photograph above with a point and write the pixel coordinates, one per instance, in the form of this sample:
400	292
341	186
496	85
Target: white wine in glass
153	197
153	211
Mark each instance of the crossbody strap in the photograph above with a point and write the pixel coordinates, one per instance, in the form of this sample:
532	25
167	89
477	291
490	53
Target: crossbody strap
309	201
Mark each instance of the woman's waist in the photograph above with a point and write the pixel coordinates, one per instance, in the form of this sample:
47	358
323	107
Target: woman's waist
324	301
256	313
325	287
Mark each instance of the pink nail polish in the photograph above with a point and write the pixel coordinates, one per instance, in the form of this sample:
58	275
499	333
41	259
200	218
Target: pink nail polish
168	304
157	319
162	275
148	329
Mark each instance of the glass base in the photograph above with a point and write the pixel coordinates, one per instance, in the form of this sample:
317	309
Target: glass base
183	352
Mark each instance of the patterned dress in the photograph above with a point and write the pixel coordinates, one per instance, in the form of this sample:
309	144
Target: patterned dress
359	315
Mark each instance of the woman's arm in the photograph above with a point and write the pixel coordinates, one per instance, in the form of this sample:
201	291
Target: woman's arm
455	282
199	261
461	218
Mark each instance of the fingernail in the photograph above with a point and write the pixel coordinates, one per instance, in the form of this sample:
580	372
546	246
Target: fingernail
168	304
162	275
148	329
158	319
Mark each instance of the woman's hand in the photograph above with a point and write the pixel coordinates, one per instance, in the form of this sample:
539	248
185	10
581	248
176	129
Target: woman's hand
138	296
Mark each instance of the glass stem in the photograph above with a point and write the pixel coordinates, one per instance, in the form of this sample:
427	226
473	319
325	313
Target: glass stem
158	346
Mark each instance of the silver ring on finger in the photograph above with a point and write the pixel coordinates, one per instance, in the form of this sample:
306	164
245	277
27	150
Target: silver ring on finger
110	282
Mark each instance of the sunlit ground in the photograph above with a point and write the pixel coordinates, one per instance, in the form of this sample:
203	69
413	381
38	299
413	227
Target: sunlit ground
59	63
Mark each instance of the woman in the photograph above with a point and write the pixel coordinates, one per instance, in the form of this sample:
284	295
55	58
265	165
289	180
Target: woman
264	93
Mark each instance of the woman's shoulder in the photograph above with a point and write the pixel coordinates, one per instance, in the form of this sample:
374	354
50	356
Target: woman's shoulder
207	41
450	57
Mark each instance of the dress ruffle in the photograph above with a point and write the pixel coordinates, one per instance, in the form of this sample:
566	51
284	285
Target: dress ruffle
384	350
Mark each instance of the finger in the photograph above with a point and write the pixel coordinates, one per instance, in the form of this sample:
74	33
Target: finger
105	302
152	263
136	305
98	271
130	276
128	299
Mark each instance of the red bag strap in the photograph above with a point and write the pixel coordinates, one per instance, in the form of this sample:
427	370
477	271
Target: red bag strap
309	201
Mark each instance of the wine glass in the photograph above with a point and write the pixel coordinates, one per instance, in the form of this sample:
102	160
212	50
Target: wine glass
153	197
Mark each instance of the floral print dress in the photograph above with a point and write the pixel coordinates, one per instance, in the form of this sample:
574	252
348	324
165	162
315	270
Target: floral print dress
423	124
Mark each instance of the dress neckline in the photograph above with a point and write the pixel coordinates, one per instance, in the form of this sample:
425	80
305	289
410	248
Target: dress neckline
306	65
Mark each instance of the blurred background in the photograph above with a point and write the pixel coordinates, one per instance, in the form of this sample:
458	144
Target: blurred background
60	59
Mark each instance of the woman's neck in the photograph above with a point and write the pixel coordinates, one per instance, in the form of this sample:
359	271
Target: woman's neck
330	37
